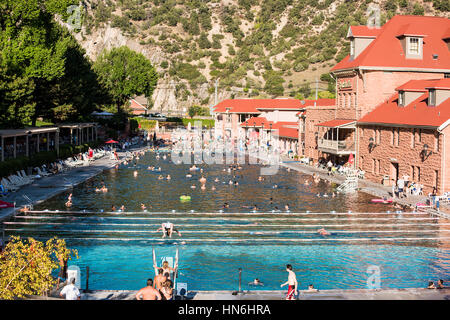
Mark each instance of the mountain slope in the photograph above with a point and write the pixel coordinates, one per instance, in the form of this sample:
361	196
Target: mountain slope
256	47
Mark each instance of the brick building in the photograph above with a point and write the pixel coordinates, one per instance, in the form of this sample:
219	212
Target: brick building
138	106
313	113
409	135
380	60
231	113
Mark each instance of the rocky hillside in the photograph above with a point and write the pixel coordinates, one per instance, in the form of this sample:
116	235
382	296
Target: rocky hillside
270	48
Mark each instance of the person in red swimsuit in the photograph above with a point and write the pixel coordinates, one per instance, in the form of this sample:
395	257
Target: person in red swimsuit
292	282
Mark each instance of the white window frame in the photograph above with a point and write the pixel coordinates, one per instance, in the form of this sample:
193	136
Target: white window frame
414	40
432	97
401	98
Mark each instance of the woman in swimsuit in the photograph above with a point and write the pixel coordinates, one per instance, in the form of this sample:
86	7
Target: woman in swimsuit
167	290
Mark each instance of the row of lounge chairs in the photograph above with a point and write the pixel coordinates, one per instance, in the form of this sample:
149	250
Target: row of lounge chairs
14	182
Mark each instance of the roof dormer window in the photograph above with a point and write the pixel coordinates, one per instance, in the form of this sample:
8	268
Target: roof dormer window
413	46
352	47
401	98
432	97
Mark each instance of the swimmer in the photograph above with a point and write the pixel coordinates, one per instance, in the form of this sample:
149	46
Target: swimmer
276	209
203	187
135	173
333	195
318	195
286	207
143	207
68	203
193	168
274	186
167	229
113	208
256	282
160	177
159	169
168	177
226	205
216	180
255	207
193	187
104	189
230	182
325	195
236	183
122	208
98	190
306	183
202	180
260	178
271	200
189	176
213	188
323	232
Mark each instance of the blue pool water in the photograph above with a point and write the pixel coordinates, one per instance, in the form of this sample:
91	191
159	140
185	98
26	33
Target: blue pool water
410	249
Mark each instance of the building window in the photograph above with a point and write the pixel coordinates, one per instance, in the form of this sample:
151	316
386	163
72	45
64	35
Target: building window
352	47
412	173
378	136
436	142
413	142
401	98
419	135
373	165
397	139
343	100
436	178
413	47
378	166
418	174
393	136
446	75
432	97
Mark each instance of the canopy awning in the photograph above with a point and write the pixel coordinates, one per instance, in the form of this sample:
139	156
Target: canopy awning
338	123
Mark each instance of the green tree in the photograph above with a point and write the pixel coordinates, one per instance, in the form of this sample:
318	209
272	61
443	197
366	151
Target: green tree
26	266
33	51
125	73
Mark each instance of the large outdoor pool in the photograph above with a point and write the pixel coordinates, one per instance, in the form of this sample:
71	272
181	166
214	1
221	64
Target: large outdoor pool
408	248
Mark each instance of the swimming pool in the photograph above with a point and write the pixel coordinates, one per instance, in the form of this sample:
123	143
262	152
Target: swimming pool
408	248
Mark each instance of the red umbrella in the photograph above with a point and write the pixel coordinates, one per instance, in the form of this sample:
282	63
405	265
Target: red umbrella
4	204
112	141
350	158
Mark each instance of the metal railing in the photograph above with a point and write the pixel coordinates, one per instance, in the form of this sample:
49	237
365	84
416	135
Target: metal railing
338	145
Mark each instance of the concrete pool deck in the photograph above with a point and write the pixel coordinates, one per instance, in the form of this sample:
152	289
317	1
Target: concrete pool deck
351	294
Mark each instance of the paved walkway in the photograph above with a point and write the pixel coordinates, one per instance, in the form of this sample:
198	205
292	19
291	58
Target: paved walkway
47	187
357	294
375	189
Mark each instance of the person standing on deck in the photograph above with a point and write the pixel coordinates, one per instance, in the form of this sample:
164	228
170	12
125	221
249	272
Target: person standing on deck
148	292
292	282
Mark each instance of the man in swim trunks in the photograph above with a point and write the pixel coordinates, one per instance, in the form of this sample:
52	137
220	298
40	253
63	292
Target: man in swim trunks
148	293
167	229
292	282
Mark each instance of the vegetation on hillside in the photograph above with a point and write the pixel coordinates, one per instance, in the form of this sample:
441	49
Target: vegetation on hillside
255	47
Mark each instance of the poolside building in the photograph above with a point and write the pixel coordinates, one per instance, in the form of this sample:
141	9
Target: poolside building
78	133
409	135
139	106
380	60
232	113
26	142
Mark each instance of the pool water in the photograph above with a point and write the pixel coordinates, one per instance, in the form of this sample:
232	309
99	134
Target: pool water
408	248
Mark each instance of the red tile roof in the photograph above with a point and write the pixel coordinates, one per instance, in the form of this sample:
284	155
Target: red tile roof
255	122
287	132
252	105
335	123
417	113
364	32
422	85
386	50
134	105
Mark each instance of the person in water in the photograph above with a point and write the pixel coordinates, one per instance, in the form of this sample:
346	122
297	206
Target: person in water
167	229
256	282
69	201
323	232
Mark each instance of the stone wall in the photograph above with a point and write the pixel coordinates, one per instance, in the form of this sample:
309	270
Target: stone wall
402	147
